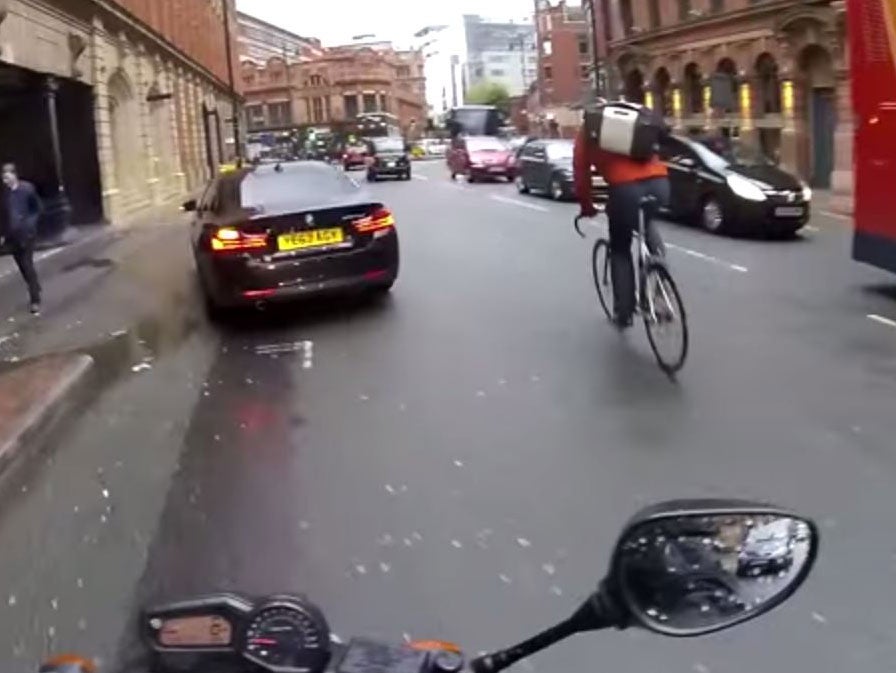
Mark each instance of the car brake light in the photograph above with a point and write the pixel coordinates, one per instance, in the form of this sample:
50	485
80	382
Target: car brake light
379	219
231	239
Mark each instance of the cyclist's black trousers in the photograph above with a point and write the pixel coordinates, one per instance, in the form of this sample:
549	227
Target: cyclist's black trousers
622	212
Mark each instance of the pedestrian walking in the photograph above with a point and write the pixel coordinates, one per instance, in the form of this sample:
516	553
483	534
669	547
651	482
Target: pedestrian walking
23	208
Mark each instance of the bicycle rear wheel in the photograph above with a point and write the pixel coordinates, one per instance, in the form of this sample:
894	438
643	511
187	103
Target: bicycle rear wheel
600	268
664	318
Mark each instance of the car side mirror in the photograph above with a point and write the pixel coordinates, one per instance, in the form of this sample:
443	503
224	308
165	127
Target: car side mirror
188	206
687	568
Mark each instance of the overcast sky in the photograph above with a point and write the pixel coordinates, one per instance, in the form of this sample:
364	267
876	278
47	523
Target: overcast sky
337	21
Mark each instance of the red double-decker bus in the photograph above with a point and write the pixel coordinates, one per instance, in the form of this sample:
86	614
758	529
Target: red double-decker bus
872	43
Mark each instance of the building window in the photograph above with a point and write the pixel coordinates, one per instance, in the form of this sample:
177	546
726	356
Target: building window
279	114
684	10
497	72
654	9
547	48
350	103
384	103
548	73
315	80
369	102
584	72
717	6
255	115
404	71
628	21
496	58
317	110
583	45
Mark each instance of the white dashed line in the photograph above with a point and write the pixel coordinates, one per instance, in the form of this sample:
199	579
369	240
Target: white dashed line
889	322
708	258
419	177
517	202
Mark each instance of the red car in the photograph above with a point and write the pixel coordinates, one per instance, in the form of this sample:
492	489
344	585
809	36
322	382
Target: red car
355	156
480	158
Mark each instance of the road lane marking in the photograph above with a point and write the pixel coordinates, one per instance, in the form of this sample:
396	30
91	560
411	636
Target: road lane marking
517	202
708	258
416	176
811	228
882	320
836	216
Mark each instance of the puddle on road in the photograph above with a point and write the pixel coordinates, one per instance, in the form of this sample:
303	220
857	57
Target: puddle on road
90	262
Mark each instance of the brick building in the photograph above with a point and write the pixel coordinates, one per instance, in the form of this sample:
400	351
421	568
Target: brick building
334	88
773	72
113	108
564	64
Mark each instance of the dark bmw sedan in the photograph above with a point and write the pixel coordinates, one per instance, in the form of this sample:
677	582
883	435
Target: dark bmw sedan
743	193
280	232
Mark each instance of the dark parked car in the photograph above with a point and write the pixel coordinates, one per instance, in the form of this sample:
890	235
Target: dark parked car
387	157
546	166
741	193
479	158
272	233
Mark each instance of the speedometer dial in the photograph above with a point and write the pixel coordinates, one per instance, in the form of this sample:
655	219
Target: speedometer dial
287	636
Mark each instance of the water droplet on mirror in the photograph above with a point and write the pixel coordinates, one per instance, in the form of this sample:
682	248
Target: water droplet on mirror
652	612
523	542
504	578
456	544
663	617
704	607
12	600
385	567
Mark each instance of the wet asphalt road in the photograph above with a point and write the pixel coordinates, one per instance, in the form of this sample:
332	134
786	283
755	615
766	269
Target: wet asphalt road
456	460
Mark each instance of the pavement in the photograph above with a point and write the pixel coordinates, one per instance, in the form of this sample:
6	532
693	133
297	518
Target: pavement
456	460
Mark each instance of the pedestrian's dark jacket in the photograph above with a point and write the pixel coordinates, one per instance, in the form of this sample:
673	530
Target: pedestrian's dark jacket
22	208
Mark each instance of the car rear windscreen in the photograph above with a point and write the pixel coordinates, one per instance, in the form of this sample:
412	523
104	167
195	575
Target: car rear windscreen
299	184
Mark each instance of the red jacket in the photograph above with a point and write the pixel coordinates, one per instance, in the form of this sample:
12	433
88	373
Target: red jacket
615	168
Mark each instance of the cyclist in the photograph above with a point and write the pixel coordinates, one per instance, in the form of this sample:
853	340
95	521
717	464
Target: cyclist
629	181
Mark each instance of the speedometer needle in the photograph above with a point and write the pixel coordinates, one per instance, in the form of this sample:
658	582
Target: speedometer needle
262	641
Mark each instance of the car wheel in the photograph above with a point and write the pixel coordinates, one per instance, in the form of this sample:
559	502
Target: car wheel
521	185
711	216
407	176
557	191
453	175
371	176
471	178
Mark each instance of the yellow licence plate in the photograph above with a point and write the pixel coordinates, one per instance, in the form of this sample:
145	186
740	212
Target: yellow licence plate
315	238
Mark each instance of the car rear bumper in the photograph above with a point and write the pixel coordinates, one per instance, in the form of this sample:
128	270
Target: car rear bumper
243	281
491	172
393	171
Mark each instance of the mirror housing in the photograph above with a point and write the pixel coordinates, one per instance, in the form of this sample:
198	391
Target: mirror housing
691	567
188	206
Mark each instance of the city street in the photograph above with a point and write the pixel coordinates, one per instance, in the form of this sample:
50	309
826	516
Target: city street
455	460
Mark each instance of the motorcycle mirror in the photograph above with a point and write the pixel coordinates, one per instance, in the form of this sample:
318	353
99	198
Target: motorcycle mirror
687	568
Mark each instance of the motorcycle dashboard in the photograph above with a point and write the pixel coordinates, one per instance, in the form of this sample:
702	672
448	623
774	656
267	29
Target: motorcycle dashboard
280	634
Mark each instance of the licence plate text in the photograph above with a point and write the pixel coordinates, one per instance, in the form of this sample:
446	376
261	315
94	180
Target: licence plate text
788	211
315	238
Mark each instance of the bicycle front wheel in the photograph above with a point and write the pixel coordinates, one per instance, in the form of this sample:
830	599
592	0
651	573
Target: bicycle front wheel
665	318
600	268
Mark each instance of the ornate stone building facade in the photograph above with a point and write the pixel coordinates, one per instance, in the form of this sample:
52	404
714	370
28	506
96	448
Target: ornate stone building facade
335	87
127	100
773	72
